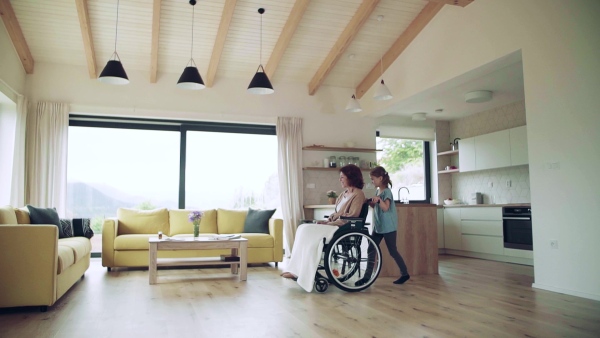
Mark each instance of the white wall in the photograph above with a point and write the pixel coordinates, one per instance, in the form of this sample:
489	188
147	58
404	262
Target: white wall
560	45
12	74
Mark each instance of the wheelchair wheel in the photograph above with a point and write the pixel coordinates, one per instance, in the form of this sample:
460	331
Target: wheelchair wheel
347	262
321	284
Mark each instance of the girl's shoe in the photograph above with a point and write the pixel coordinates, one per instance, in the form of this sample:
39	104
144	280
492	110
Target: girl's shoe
402	279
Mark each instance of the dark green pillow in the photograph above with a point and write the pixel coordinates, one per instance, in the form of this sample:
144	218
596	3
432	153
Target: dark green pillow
257	221
45	216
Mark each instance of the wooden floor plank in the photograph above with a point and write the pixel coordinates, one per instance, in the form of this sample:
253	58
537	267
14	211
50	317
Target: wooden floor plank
469	298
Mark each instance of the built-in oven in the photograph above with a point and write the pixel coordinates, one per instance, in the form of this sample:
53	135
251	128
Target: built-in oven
516	223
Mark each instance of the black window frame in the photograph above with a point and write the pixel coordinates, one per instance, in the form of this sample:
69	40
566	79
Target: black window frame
427	164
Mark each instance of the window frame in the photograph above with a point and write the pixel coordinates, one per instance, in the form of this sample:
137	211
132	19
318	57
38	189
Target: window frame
427	168
181	126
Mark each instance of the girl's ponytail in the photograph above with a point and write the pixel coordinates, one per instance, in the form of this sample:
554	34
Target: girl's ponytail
380	172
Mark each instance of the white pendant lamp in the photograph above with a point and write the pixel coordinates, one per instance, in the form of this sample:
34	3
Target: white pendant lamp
113	72
353	105
382	92
260	83
190	78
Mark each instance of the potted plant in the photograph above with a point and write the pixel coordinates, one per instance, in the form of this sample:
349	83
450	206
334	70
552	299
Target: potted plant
195	217
332	195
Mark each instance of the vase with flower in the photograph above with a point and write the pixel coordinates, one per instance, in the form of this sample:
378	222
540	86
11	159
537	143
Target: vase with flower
195	217
332	195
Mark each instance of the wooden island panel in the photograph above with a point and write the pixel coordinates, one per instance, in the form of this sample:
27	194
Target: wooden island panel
416	240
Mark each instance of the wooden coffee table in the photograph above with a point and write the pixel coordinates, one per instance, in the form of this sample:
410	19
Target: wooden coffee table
238	246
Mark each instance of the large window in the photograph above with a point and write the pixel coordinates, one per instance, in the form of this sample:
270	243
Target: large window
407	162
148	164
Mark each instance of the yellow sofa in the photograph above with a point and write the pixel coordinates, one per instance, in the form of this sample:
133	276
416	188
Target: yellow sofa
36	267
125	238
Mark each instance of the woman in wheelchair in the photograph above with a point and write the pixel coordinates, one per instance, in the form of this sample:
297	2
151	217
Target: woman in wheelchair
310	238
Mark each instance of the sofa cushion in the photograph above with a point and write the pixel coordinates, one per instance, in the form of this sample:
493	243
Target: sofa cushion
22	215
256	240
133	242
7	215
66	258
45	216
231	221
180	224
257	221
67	227
80	246
133	221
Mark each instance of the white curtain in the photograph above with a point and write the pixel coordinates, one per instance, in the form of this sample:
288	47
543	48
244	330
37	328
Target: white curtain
289	141
17	187
46	159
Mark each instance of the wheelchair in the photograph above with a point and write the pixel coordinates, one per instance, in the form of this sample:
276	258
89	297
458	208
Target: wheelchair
345	260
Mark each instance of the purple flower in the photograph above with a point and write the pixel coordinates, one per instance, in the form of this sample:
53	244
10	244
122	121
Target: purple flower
195	216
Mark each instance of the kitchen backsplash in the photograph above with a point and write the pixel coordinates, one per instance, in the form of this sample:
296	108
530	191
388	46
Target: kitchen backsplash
463	184
325	181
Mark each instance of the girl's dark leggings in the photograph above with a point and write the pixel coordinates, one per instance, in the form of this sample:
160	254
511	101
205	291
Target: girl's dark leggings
390	242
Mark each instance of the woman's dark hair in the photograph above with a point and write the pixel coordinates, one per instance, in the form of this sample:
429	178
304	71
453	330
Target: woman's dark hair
354	175
380	172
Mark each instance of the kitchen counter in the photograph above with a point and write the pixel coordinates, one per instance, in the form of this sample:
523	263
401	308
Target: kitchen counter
486	205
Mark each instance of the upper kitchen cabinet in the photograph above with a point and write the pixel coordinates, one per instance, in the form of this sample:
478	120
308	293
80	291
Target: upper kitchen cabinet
518	146
466	156
500	149
492	150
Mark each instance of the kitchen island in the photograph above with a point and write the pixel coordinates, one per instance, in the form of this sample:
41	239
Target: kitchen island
416	240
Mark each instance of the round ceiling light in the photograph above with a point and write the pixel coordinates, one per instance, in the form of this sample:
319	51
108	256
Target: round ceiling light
478	96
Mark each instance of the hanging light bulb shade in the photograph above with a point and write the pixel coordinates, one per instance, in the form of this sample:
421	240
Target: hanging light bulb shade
260	83
113	72
353	105
382	92
190	78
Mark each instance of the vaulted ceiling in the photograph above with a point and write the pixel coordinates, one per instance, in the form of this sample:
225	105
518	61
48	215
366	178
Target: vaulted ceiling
303	41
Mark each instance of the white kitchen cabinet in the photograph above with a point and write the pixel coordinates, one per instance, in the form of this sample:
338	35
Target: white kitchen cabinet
466	156
518	146
452	232
481	230
492	150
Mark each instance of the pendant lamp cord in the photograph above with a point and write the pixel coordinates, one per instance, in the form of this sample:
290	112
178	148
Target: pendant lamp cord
117	27
192	51
261	38
381	55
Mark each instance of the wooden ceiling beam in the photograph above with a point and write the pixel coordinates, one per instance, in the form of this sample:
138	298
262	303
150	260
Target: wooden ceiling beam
411	32
220	42
155	35
358	20
86	34
461	3
286	36
16	35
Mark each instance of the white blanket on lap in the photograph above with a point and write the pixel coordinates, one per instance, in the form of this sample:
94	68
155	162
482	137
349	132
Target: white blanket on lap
307	251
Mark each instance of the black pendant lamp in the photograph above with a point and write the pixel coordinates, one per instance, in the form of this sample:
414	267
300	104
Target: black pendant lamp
113	72
260	83
190	78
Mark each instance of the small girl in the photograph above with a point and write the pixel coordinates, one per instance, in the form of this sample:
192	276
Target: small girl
385	224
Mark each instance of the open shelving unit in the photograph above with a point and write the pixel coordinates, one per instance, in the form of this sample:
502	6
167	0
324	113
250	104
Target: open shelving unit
337	149
448	153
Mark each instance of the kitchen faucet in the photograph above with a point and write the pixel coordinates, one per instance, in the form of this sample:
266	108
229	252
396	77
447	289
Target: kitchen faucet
406	200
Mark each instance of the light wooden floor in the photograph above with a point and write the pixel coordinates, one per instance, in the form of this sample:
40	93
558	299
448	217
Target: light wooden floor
469	298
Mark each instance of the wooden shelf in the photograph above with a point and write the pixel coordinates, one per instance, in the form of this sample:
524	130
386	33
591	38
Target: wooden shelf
357	150
448	171
449	152
330	169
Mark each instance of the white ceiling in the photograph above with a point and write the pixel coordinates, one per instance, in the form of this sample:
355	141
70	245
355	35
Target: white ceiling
504	77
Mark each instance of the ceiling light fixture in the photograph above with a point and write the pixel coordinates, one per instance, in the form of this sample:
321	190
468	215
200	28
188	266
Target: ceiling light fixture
382	92
190	78
419	116
113	72
260	83
478	96
353	105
